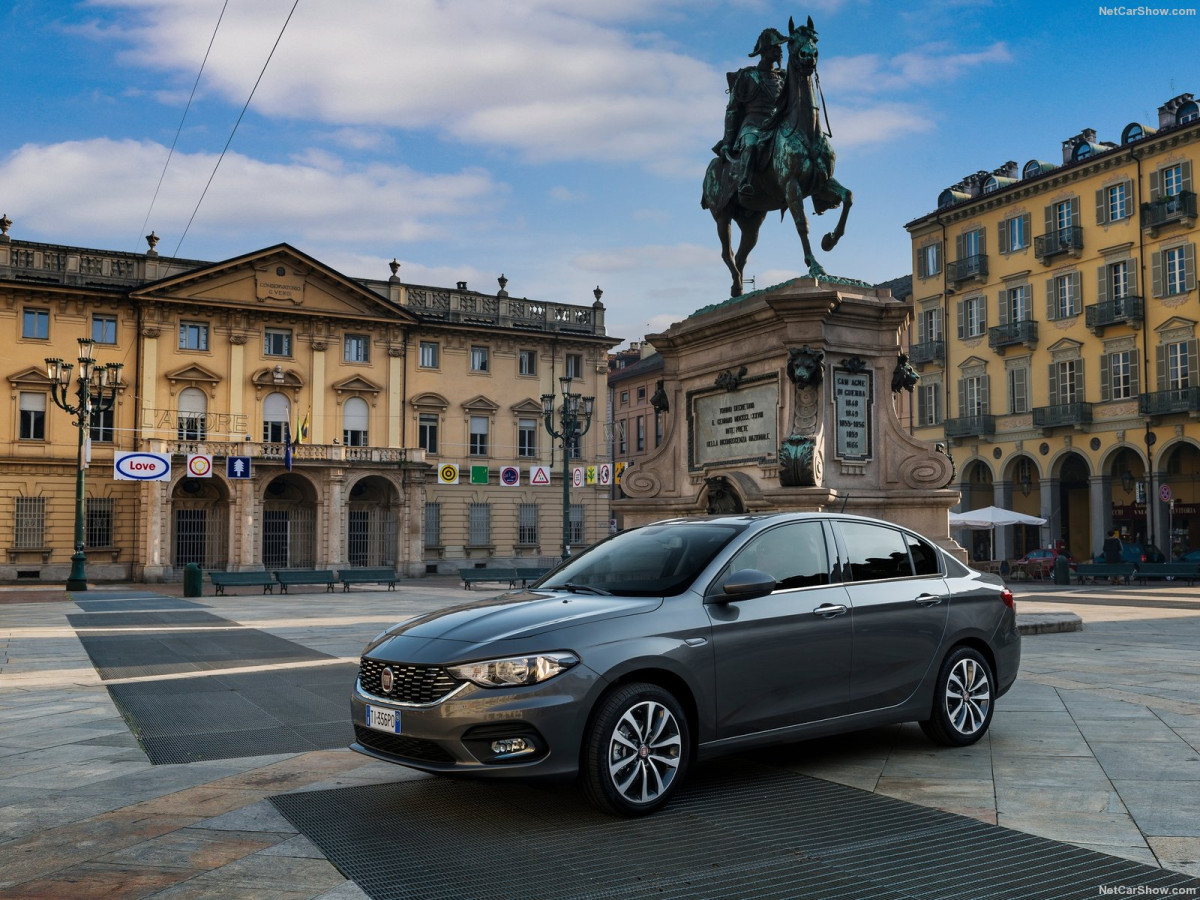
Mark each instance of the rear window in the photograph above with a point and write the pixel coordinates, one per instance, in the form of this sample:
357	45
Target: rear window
875	552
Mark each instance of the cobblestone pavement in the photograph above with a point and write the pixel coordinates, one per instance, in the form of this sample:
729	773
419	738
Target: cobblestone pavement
1098	745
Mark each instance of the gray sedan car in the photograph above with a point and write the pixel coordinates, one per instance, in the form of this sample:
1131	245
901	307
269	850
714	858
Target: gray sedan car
688	638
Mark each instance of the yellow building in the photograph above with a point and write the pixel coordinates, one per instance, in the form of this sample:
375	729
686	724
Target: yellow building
1055	330
378	385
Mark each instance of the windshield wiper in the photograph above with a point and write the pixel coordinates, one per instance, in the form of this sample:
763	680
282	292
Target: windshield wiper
583	589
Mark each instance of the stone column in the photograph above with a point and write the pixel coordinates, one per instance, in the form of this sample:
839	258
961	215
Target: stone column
395	395
317	422
1100	498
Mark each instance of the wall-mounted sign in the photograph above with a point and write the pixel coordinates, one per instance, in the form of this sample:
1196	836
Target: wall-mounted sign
141	467
737	424
852	412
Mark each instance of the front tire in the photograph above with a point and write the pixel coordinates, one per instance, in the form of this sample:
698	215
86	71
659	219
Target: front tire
636	751
962	700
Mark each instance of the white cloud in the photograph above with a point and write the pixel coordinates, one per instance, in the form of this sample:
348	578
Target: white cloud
932	64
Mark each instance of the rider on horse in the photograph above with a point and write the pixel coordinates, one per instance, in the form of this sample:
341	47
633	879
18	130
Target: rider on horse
753	92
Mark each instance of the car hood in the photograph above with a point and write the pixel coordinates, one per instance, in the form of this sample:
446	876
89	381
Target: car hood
520	615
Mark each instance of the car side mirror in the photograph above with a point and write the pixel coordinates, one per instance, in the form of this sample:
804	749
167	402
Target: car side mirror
746	584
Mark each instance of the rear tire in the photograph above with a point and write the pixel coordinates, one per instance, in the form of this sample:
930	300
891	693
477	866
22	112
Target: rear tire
636	751
962	700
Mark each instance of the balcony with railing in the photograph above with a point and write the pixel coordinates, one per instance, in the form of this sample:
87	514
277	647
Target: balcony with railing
1058	242
1176	400
273	453
1000	336
1128	310
967	269
469	308
966	426
927	352
1179	207
1074	415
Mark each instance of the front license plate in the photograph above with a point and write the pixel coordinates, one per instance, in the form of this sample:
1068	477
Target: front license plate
383	719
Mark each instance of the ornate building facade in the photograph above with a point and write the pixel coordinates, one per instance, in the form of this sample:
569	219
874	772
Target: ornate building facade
1055	330
306	416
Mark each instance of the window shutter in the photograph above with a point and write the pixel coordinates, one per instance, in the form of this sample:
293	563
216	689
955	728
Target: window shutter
937	258
984	405
1004	311
1186	177
1025	230
1133	372
1129	198
1155	185
960	312
983	319
982	241
1074	210
1189	266
1080	394
1105	374
1076	291
962	398
1160	366
1050	305
958	247
1156	273
1102	206
1002	238
1050	223
921	269
1193	363
1052	383
1102	285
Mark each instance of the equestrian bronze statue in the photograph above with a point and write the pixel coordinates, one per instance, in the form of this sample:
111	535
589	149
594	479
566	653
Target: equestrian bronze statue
773	153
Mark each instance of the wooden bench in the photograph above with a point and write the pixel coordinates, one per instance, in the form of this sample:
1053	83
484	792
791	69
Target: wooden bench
475	576
1105	570
367	575
287	577
222	580
526	574
1188	570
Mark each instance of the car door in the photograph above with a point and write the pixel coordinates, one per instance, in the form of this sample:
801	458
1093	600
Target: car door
901	608
783	658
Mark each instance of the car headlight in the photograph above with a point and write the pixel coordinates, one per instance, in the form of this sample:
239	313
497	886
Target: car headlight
514	670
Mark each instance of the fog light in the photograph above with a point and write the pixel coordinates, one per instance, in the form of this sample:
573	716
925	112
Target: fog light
510	746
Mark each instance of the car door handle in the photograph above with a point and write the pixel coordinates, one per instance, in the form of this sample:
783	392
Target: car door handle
928	599
829	610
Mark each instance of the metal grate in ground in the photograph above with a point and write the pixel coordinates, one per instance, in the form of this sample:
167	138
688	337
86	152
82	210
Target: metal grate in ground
738	830
159	619
227	716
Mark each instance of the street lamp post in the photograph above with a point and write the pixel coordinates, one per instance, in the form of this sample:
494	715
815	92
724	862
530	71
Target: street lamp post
575	418
95	392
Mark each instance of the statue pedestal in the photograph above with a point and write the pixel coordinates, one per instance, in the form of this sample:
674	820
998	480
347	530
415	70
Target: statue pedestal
782	400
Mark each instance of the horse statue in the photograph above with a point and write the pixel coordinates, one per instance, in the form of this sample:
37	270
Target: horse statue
799	164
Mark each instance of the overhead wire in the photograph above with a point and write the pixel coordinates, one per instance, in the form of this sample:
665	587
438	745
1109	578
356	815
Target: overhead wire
179	130
233	131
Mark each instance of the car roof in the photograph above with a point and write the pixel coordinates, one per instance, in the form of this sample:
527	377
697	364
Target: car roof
763	519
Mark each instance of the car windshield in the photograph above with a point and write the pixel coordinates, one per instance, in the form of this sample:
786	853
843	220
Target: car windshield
654	561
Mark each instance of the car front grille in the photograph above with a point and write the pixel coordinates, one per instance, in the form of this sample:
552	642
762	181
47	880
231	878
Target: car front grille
412	684
400	746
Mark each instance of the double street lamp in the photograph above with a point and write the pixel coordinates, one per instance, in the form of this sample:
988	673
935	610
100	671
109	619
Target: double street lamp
574	418
95	392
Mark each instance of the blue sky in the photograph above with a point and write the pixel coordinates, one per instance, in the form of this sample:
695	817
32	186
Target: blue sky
559	142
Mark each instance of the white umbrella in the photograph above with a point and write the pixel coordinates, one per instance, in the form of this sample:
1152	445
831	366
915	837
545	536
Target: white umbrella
991	517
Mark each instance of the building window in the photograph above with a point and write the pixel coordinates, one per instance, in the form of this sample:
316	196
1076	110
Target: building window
429	355
574	445
277	342
1014	233
100	428
929	325
641	433
527	430
527	523
480	525
29	523
574	365
641	394
1117	202
193	336
624	398
971	244
972	317
576	520
479	435
1118	285
1065	303
33	416
1017	302
355	417
622	445
35	324
104	329
433	524
929	404
427	433
1179	366
479	359
1018	390
1172	180
356	348
191	420
1175	271
1066	382
658	429
1064	217
973	396
275	417
526	362
1189	112
99	522
929	260
1119	375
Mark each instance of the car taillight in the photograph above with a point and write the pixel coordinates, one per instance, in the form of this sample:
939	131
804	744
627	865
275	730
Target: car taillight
1006	597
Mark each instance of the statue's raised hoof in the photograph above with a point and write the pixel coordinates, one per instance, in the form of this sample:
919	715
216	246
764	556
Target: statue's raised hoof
828	242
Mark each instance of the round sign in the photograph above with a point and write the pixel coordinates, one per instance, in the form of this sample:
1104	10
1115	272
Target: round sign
1165	492
448	472
200	466
577	478
510	475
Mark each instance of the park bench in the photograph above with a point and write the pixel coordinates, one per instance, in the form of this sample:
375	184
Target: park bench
1105	570
479	575
222	580
368	575
287	577
526	574
1187	570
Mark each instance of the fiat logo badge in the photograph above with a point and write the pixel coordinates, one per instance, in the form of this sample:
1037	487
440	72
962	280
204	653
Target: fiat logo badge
386	679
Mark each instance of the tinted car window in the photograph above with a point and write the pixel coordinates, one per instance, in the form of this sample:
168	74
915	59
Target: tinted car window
794	555
658	560
875	552
924	557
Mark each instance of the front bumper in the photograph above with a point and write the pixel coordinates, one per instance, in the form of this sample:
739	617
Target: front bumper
518	732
